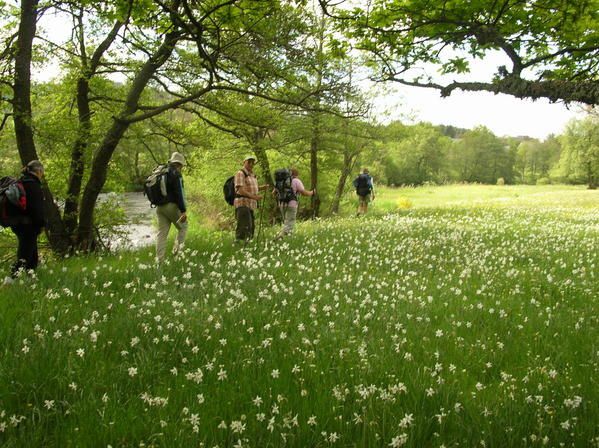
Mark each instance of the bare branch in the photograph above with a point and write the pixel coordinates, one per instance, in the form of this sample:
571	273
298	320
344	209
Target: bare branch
4	119
172	105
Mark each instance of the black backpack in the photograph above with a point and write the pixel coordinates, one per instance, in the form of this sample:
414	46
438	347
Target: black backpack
155	186
13	201
229	189
361	183
283	186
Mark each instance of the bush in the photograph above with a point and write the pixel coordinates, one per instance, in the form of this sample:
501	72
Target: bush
501	181
403	203
543	181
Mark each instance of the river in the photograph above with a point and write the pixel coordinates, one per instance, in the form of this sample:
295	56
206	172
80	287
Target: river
140	231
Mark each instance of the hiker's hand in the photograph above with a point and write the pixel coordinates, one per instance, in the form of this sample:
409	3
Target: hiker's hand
182	218
314	192
264	187
258	197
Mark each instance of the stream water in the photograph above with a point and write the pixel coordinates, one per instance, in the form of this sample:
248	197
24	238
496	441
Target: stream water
140	231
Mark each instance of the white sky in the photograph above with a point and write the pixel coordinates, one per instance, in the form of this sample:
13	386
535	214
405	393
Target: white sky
503	114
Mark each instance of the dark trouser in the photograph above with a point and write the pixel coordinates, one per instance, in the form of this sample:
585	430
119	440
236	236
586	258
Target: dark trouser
245	223
27	257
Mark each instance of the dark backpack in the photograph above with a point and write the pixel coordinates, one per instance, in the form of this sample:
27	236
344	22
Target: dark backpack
155	187
229	189
283	186
362	185
13	201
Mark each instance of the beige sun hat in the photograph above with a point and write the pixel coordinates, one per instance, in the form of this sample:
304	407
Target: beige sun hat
249	158
177	157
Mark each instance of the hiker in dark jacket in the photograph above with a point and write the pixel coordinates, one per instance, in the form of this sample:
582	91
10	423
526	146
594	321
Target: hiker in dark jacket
30	222
365	191
175	211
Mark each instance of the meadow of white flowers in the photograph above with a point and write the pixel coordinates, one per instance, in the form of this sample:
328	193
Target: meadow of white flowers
431	328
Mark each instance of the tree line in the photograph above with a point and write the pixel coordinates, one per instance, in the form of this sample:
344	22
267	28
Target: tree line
413	155
138	78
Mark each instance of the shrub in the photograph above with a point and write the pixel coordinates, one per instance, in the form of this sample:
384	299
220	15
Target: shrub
543	181
501	181
403	203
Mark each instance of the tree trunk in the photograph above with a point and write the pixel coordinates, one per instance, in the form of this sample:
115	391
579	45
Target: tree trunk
314	144
261	156
99	168
315	139
269	204
590	176
348	165
22	82
23	118
81	145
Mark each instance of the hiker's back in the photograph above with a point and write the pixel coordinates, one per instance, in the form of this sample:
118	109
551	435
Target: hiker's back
284	186
155	186
363	184
21	201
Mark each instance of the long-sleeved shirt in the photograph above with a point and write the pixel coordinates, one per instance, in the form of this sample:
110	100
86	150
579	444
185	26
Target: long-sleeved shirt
175	190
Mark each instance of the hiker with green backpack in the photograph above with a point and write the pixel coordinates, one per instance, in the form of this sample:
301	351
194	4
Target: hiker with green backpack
287	188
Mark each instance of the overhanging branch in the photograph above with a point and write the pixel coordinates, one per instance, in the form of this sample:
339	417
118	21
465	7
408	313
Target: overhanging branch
583	92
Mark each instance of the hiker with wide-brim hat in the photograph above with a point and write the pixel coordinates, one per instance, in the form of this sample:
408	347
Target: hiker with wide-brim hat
246	199
174	212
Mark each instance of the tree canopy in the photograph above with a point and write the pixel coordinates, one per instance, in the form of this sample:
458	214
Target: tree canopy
552	45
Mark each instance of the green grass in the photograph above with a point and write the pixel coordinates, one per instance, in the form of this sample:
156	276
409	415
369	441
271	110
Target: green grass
390	199
438	325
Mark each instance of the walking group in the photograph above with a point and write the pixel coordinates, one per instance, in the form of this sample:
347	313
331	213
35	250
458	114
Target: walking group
22	205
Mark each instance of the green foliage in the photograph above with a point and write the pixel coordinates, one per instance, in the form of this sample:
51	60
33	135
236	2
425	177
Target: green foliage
580	156
416	158
543	39
482	157
536	159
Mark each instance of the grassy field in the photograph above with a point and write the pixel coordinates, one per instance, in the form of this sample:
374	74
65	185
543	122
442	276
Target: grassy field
465	319
554	196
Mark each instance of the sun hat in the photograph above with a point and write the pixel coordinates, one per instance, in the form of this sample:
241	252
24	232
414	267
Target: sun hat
177	157
250	158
